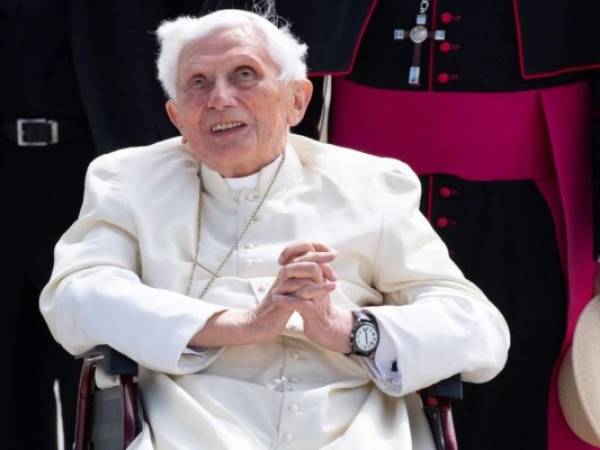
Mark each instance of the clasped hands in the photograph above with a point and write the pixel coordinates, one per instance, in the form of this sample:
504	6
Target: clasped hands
303	284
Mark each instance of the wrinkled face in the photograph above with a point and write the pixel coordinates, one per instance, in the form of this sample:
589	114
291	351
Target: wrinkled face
230	108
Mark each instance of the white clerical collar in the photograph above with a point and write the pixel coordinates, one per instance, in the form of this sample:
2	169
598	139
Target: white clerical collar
291	170
247	182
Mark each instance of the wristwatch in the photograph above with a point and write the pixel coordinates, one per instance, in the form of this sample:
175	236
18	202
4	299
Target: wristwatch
364	336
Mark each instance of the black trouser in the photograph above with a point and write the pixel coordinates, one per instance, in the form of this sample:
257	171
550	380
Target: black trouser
502	236
41	190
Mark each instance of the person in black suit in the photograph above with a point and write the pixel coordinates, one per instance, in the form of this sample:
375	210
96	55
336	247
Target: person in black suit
78	80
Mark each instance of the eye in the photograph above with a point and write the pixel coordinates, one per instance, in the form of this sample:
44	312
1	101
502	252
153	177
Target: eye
245	74
198	82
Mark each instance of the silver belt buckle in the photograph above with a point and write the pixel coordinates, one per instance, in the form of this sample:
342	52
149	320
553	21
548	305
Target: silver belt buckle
21	142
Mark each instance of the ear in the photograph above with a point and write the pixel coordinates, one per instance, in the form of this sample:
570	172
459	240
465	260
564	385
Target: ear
173	113
302	92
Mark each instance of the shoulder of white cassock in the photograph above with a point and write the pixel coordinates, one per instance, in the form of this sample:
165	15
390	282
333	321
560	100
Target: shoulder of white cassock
353	166
344	165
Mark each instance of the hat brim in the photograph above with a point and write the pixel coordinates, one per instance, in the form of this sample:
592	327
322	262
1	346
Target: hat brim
579	377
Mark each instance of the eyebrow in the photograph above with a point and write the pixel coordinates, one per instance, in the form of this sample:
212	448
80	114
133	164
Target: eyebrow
236	60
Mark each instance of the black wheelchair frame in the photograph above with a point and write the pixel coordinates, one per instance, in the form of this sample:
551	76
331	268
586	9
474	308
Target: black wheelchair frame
110	419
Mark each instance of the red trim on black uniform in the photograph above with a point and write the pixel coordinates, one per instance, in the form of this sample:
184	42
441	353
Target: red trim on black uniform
533	76
430	200
361	35
432	44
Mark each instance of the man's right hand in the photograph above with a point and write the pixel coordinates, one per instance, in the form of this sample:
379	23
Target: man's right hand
305	271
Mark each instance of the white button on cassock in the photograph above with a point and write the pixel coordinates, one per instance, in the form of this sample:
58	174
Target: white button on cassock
293	408
288	437
293	379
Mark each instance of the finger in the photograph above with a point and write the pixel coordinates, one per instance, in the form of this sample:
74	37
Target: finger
289	300
306	308
294	250
322	247
315	291
299	248
328	272
318	257
322	259
305	288
308	270
291	285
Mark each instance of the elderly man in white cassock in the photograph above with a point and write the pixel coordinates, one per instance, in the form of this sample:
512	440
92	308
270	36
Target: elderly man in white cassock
276	292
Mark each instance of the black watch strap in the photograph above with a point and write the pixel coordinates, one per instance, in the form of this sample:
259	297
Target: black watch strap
362	317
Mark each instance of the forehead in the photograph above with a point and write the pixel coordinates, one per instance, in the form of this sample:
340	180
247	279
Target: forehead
225	44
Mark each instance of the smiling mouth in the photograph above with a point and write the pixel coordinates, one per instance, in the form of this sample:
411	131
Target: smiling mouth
226	126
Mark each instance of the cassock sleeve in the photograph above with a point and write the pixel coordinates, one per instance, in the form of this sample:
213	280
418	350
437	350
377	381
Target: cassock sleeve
439	324
95	295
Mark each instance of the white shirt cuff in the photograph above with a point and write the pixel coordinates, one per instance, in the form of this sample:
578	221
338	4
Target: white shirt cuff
384	363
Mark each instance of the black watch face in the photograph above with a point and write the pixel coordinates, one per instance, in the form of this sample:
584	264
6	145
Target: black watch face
366	338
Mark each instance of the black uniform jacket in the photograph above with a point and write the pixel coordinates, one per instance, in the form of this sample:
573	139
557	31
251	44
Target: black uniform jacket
114	51
546	43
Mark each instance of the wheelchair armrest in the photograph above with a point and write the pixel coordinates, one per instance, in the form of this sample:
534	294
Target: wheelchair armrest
437	400
450	388
111	361
95	408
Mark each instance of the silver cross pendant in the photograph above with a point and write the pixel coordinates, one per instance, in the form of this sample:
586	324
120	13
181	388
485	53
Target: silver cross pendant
418	34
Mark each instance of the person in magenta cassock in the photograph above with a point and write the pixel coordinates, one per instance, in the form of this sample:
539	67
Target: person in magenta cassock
495	105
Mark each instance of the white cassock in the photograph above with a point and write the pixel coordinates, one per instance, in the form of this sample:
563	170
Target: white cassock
122	269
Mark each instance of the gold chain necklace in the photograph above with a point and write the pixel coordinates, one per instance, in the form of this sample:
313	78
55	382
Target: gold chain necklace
196	264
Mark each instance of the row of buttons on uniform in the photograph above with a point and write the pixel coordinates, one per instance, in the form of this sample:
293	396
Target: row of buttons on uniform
446	47
277	382
292	408
251	196
292	378
444	222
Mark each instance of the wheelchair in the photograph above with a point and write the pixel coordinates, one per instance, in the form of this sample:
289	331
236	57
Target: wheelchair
110	419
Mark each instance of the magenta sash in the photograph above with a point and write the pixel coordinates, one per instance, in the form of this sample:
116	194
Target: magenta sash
542	135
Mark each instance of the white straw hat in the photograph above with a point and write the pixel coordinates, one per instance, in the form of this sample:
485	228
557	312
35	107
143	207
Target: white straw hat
579	377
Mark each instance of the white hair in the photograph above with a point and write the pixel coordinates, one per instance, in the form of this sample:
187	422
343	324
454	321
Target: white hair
281	45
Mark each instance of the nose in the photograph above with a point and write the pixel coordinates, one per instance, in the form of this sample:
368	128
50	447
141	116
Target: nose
221	95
